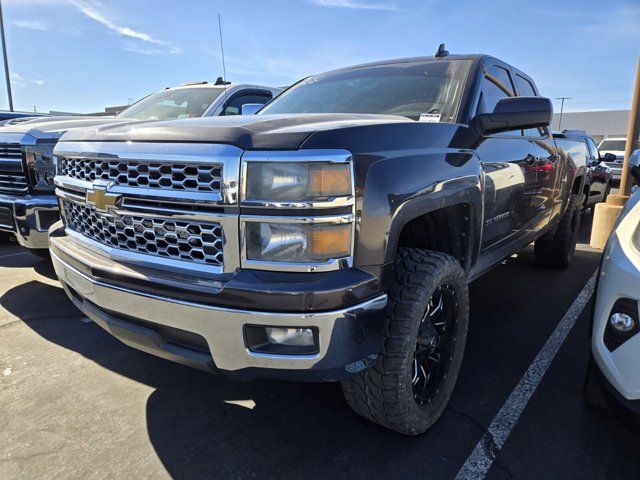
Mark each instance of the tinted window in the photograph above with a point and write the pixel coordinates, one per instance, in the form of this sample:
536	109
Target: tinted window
593	149
613	144
173	103
525	89
234	107
495	86
404	89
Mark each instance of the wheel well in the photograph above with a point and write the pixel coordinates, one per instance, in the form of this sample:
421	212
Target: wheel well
448	230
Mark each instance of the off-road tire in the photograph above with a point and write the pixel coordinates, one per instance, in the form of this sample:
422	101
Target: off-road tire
384	392
558	251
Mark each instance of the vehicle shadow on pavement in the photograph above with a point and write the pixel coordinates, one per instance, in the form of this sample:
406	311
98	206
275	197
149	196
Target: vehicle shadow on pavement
203	425
207	426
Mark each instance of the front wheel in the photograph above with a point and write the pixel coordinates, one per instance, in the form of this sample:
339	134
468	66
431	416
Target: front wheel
410	384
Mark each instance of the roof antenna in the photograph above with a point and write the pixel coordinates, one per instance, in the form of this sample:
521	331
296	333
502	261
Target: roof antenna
224	70
442	52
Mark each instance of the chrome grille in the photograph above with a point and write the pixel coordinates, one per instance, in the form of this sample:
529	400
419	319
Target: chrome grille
169	176
12	175
190	241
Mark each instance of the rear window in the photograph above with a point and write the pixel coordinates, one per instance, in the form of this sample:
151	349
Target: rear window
613	145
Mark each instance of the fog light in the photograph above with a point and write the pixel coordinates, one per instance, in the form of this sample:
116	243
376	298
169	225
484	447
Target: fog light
290	336
622	322
281	340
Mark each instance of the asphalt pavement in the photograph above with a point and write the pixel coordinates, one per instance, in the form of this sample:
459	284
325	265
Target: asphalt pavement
76	403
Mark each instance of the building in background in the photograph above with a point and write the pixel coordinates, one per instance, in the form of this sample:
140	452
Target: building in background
601	124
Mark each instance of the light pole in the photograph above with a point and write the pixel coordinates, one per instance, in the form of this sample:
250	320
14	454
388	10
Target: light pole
561	110
6	62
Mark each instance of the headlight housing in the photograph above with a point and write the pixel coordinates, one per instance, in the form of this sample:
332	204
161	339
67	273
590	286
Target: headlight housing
41	166
298	242
318	182
296	182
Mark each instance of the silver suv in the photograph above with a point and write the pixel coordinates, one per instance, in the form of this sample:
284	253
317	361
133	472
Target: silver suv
28	206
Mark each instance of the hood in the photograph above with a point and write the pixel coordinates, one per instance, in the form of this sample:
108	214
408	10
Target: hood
284	132
51	128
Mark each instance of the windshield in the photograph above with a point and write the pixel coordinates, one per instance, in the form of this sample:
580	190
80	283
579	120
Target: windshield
173	103
613	145
404	89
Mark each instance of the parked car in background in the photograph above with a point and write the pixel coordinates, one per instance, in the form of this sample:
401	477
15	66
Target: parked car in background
330	237
599	180
28	206
612	149
614	376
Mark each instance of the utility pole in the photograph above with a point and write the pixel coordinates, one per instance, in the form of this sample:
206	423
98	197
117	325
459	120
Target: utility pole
606	214
6	62
632	135
561	110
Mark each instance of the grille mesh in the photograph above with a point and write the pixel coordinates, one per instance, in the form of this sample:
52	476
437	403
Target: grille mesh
12	175
174	176
177	240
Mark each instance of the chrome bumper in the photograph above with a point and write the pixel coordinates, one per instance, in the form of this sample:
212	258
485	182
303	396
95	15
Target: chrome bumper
31	218
349	339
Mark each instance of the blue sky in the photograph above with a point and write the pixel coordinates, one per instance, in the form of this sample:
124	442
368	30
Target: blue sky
83	55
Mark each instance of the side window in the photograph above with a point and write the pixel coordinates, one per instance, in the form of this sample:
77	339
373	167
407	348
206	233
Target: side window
595	154
495	86
234	106
525	89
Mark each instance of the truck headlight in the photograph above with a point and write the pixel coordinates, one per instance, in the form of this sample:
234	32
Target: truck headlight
41	165
297	242
296	181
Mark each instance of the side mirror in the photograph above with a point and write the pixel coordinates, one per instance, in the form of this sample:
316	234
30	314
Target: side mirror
516	113
609	157
250	108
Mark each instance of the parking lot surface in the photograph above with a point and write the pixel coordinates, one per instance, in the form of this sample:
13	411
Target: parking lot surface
76	403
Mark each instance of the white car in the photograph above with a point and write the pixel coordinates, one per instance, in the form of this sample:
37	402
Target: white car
614	372
610	148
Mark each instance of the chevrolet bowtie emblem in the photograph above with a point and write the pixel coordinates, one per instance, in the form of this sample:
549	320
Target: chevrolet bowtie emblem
102	200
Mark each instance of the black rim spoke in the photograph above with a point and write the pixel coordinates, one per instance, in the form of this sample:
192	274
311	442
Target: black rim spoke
434	344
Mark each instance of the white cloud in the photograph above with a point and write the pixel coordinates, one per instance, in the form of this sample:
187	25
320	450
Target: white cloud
355	4
96	11
19	81
31	24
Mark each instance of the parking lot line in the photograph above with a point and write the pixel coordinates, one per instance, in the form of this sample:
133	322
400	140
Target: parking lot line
14	254
484	454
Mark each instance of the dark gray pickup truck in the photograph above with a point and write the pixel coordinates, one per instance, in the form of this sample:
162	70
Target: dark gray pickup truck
330	237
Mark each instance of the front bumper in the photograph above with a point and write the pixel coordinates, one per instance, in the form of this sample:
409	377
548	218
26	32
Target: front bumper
29	217
211	337
619	278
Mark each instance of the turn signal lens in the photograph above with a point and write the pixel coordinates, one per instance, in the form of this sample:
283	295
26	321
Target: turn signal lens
329	181
330	241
